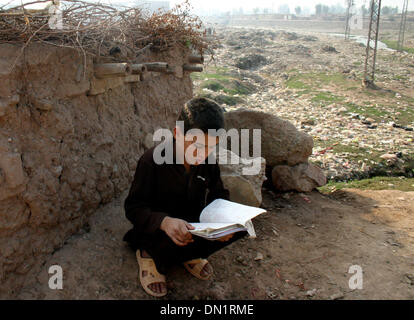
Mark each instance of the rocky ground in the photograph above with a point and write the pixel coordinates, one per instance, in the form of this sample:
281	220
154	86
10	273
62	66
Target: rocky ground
314	81
304	248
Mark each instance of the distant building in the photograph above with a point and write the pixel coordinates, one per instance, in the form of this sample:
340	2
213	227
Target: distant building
357	20
153	6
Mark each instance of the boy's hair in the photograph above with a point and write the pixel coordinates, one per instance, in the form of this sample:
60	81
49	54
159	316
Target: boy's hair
203	114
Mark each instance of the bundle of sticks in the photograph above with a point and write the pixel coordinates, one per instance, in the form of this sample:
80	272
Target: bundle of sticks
96	28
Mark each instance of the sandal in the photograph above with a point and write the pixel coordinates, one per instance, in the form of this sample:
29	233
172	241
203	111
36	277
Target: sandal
152	276
196	269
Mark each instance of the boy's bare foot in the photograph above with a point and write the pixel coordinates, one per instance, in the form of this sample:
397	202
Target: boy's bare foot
158	287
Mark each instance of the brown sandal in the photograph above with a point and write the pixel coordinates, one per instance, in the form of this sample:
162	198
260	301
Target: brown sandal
196	269
152	276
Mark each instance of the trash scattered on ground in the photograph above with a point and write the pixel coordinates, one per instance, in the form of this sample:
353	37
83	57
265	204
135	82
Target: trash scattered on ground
321	94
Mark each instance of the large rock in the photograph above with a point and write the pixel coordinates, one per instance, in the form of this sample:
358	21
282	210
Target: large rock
243	179
302	177
281	142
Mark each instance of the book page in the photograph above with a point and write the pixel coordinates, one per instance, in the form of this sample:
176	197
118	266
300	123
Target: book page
218	233
221	210
210	226
250	229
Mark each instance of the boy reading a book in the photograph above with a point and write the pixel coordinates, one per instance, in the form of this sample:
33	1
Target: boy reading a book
163	198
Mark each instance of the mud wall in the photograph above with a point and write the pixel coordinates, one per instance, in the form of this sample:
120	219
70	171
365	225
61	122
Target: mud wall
65	149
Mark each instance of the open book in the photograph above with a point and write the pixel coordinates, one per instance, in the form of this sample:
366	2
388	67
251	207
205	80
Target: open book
222	217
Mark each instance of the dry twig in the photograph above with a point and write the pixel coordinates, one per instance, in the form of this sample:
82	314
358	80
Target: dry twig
96	28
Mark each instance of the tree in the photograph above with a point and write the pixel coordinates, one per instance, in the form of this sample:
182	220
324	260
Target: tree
389	10
256	10
306	10
284	9
337	9
298	10
318	9
364	10
386	10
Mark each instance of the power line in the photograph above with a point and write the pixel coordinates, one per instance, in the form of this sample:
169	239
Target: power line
401	34
349	15
371	53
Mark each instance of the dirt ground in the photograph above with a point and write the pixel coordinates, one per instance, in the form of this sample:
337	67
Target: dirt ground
304	247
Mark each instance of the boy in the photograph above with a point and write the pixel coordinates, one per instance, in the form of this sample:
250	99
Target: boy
164	198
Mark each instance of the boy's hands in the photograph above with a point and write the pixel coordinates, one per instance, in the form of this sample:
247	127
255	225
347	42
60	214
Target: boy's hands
177	230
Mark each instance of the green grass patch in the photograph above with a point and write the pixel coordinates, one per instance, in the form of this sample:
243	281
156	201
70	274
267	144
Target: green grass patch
217	73
232	87
399	77
302	92
326	97
356	152
406	117
316	79
220	79
314	82
392	44
212	85
377	93
296	84
386	57
375	183
335	78
238	87
353	150
352	88
368	110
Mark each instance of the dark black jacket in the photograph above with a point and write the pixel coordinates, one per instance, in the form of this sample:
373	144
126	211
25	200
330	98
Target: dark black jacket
169	190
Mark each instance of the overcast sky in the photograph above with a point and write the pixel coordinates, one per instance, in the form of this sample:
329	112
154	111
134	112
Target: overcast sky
249	4
227	5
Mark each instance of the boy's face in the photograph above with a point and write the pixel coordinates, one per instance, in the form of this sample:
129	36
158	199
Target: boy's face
197	146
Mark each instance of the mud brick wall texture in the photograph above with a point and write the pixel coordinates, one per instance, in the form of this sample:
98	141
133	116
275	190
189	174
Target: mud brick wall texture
64	151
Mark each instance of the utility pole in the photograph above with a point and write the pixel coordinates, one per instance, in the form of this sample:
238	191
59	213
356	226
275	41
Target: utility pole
371	53
350	4
401	34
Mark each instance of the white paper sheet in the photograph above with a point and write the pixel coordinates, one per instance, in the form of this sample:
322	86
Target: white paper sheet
224	211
